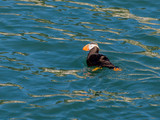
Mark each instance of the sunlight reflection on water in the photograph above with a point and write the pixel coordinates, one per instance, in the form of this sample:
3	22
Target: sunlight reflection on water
43	69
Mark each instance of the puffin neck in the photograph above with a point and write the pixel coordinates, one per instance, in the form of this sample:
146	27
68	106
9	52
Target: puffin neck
93	50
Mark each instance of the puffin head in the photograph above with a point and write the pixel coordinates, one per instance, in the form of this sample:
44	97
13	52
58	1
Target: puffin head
88	47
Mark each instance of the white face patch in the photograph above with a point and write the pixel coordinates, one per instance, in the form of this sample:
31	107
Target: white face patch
92	45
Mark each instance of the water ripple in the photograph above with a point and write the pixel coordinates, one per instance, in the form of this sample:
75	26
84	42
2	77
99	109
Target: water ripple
10	14
10	101
148	49
63	72
99	96
35	3
10	84
117	12
43	69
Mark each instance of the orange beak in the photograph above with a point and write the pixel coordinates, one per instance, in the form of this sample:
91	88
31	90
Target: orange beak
117	69
86	47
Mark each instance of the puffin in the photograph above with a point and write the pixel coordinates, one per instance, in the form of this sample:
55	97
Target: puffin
94	58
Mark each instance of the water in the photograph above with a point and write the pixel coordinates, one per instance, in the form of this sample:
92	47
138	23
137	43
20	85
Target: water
43	70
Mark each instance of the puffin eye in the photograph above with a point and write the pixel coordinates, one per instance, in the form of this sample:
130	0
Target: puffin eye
91	46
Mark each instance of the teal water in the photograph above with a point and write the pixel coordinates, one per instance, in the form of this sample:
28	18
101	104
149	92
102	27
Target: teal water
43	70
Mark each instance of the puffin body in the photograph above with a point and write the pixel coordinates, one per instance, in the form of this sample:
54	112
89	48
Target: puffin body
96	59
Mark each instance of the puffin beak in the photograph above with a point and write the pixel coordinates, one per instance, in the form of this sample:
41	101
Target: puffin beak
86	47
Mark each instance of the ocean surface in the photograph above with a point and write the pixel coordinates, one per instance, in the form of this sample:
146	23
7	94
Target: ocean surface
43	71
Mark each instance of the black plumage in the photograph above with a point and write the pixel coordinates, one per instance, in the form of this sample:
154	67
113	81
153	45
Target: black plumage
96	59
